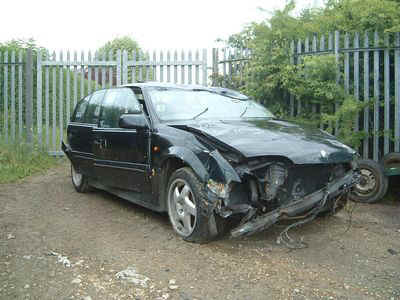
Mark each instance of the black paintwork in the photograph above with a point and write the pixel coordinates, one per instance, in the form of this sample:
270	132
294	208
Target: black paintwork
130	162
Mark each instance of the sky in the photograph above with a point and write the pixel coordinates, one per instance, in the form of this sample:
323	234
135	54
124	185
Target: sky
172	24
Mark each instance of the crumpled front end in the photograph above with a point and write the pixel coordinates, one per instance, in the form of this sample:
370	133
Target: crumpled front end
330	197
267	190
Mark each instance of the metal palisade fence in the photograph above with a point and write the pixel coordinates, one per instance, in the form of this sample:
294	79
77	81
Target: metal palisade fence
12	120
228	66
370	63
40	90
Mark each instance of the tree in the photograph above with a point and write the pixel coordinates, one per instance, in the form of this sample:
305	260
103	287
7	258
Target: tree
269	74
120	43
134	52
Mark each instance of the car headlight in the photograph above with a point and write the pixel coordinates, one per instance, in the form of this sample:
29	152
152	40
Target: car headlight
219	189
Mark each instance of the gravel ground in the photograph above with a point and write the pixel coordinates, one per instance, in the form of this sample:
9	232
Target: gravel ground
58	244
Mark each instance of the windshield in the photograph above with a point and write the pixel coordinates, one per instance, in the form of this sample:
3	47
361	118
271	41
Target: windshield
178	104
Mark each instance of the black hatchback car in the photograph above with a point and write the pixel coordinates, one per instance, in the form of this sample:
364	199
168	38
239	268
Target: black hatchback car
206	156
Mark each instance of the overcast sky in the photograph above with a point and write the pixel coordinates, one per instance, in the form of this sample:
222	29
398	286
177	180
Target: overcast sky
170	24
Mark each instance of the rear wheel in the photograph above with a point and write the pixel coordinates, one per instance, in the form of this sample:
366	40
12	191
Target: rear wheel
373	184
79	181
187	214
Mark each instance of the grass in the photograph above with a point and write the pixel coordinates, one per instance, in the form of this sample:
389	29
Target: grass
19	160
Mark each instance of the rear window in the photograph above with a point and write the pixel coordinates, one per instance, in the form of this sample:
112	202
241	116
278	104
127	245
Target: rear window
80	110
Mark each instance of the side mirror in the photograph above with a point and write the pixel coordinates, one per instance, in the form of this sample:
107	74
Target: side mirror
133	121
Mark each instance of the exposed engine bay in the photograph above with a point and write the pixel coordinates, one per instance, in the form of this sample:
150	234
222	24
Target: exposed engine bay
270	187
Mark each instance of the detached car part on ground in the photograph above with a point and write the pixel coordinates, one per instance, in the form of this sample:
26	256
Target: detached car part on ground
210	157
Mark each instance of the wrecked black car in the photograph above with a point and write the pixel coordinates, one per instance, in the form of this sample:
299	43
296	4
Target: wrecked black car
212	158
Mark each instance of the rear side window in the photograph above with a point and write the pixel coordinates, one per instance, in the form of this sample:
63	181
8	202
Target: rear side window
116	103
93	110
80	109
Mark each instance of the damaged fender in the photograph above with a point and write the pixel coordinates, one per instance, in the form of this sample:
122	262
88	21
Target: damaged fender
208	165
189	158
228	172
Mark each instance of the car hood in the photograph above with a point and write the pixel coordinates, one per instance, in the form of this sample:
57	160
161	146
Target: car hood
271	137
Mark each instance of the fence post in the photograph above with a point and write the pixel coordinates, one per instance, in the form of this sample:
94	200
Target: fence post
337	36
28	96
39	95
214	66
292	61
124	67
375	153
5	86
397	94
118	67
204	67
366	96
386	94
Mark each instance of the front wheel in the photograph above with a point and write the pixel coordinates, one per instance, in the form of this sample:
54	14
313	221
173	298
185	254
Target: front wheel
79	181
185	200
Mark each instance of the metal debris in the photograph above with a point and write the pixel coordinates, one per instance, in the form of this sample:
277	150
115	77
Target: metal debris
130	275
61	259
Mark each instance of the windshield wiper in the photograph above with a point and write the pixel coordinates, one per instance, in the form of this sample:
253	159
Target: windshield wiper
198	115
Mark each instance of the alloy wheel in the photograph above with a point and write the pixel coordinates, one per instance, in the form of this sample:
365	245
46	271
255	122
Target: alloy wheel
181	207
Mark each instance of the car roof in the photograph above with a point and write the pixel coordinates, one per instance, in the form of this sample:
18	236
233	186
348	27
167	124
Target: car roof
218	90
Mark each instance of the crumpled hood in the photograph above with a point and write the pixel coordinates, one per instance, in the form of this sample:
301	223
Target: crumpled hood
301	144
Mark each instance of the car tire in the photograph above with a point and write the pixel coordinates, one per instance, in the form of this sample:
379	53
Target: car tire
79	181
187	213
373	184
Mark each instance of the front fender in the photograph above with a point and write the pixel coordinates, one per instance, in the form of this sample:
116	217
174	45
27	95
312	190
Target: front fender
189	158
206	164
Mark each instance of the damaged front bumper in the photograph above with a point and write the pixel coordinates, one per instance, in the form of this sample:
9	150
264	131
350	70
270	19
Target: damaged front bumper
322	197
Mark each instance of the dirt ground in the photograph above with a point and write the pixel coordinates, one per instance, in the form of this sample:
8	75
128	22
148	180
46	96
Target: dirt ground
58	244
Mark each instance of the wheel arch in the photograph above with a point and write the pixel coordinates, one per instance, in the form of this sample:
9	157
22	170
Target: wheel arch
174	159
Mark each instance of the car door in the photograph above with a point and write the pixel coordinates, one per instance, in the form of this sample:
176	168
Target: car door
80	128
120	154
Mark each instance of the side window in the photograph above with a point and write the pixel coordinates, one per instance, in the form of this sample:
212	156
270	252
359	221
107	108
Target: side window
93	110
116	103
80	110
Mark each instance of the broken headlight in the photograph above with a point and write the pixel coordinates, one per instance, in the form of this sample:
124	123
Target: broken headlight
219	189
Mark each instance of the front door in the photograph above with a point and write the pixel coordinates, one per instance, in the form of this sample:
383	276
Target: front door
120	154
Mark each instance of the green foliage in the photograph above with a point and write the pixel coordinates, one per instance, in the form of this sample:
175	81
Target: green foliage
344	117
134	52
20	160
356	15
120	43
270	74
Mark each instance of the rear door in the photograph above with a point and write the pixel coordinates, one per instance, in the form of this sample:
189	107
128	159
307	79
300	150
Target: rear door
85	118
120	154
